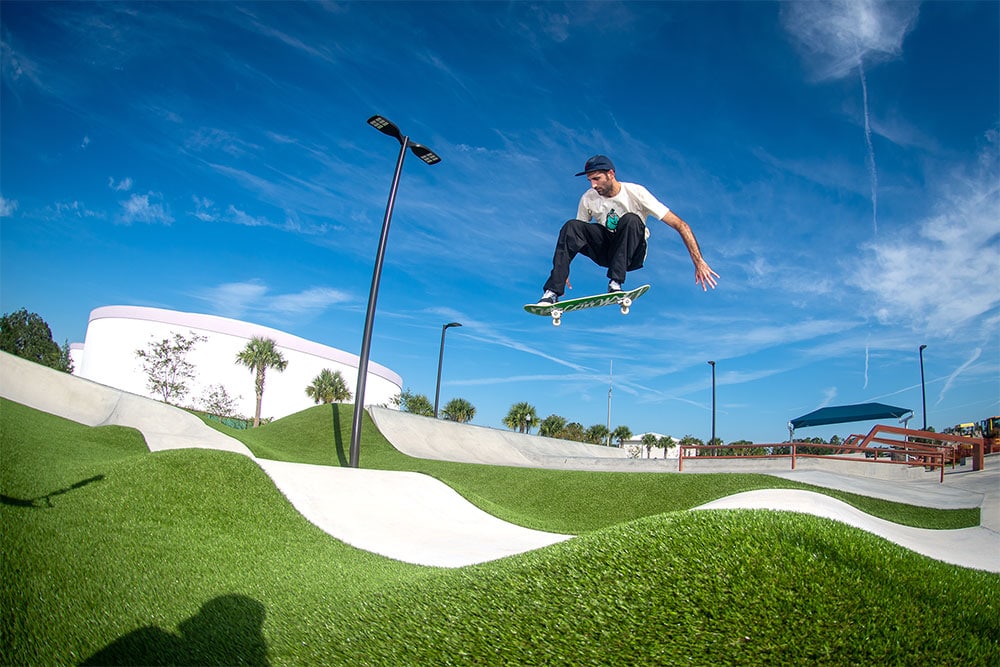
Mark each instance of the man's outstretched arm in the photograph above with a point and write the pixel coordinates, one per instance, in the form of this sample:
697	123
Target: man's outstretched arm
703	273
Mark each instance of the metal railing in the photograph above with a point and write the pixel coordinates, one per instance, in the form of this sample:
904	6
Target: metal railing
912	448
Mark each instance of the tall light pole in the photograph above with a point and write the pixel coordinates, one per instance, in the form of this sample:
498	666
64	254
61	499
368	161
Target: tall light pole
923	392
384	126
712	441
611	382
437	391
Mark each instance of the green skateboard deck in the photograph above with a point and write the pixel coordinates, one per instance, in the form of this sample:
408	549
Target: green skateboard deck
621	299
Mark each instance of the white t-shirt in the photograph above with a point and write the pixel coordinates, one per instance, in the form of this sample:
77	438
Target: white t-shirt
632	198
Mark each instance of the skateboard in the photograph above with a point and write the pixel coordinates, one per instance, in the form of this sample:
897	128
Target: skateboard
621	299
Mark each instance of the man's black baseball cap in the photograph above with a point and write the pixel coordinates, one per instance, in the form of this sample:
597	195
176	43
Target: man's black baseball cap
597	163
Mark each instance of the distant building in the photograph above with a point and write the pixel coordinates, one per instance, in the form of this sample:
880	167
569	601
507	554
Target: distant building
654	452
114	333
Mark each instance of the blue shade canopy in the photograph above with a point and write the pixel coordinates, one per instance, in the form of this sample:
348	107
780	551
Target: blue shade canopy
840	414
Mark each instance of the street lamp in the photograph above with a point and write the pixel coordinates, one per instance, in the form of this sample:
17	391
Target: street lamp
712	441
437	391
923	392
384	126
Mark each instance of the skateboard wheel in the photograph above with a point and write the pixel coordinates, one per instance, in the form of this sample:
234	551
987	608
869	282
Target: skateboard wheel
626	302
556	321
624	310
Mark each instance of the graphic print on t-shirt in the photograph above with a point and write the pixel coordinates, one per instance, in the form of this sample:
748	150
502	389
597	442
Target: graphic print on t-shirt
611	222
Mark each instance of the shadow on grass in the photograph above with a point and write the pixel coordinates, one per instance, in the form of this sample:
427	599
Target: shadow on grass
35	502
338	436
226	631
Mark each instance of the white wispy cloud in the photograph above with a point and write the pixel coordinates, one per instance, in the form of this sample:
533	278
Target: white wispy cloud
233	299
829	394
487	333
958	371
254	298
837	35
76	209
309	301
204	209
934	276
7	207
140	208
123	185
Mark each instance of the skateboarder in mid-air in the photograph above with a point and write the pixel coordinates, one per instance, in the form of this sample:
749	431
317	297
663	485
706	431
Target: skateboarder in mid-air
610	228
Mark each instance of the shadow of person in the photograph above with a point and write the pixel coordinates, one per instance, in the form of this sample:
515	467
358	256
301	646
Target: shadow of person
225	631
36	502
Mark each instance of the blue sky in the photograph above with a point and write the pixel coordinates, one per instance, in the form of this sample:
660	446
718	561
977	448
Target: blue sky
838	163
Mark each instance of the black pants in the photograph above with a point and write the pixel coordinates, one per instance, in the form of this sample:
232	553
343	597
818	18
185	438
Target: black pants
621	250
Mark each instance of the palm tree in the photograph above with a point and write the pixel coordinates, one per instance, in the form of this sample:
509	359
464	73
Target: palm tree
691	441
459	410
259	355
551	426
649	441
328	387
666	442
597	435
621	434
521	417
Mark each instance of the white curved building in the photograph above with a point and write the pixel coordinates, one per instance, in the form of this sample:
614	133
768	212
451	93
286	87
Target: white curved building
114	333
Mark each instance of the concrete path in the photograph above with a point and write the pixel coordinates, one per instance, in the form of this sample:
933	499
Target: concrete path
416	519
402	515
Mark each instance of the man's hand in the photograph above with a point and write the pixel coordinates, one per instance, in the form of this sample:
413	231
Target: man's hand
704	275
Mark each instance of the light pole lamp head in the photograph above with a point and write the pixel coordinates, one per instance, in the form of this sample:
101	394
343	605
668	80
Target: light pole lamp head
923	347
386	126
424	153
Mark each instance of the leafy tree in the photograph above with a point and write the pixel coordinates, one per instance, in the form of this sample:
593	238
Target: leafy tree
520	417
621	434
417	404
573	431
27	335
328	387
217	401
551	426
666	442
649	441
65	361
597	435
166	367
259	355
459	410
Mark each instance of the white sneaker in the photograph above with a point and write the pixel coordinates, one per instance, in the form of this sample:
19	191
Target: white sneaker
614	287
548	299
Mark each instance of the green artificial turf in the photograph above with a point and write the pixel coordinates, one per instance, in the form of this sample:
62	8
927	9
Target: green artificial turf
114	555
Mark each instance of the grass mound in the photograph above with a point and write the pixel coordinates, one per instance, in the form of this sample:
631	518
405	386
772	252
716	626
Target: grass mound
114	555
703	588
561	501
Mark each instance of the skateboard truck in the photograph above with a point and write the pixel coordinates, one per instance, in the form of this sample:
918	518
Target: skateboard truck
621	299
624	304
